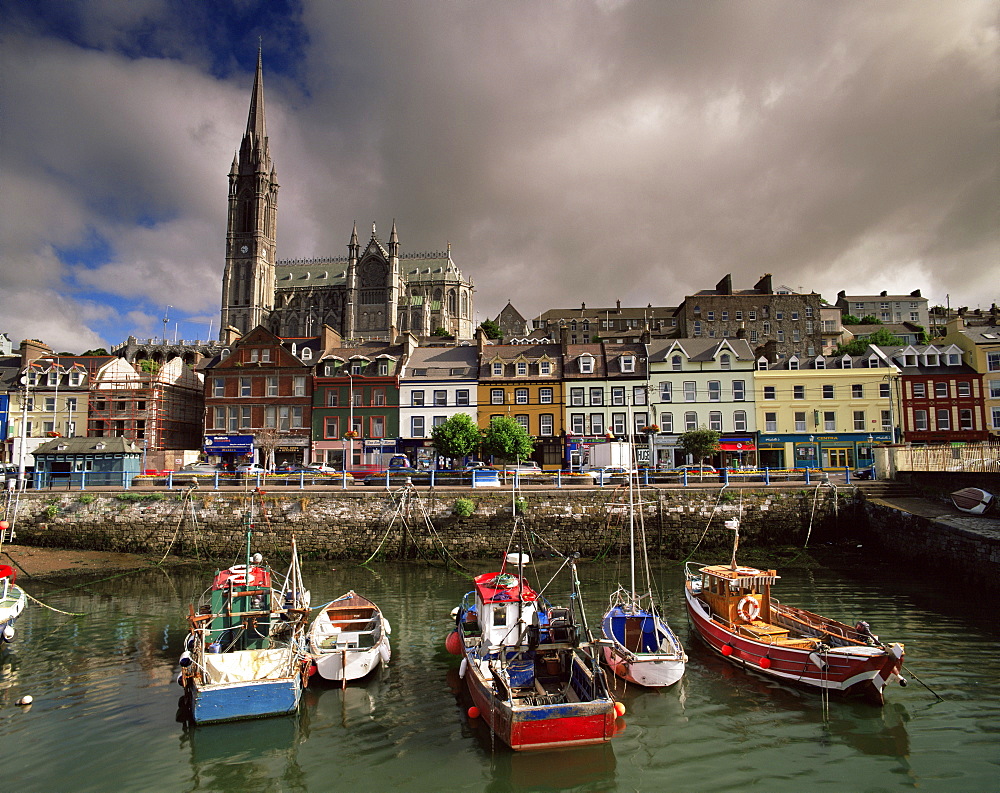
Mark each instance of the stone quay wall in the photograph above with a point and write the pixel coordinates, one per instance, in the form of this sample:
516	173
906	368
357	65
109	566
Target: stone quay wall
353	524
964	549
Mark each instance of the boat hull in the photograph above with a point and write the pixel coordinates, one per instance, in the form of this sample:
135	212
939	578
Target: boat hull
658	659
972	500
11	606
643	669
536	727
244	700
330	665
349	639
861	671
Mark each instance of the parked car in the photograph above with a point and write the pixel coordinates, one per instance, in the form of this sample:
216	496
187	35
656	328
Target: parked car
696	469
396	477
608	474
250	468
323	468
865	472
200	468
529	467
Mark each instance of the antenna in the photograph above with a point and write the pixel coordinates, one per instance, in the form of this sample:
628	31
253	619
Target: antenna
166	319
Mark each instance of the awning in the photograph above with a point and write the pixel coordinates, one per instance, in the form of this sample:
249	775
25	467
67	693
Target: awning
737	446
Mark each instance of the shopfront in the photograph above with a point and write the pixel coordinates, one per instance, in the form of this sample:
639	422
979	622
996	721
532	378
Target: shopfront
230	450
737	451
831	450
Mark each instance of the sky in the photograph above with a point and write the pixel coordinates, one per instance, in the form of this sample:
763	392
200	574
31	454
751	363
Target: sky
570	151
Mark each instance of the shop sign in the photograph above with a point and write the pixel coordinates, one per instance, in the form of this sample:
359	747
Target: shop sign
229	444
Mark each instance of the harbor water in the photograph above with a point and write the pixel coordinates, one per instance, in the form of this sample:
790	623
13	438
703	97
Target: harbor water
105	714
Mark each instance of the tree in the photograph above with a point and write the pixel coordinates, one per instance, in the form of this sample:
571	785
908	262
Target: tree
441	332
700	443
506	438
880	338
849	319
457	437
96	351
491	329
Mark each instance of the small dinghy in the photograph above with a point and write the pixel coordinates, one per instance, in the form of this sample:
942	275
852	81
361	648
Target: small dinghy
973	500
349	638
12	602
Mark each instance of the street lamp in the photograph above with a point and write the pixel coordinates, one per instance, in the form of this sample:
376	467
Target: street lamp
349	446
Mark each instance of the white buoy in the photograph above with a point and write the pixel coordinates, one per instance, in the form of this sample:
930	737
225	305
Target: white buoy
186	659
27	699
8	633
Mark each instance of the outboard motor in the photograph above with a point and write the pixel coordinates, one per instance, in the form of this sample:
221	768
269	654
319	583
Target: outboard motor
560	625
865	631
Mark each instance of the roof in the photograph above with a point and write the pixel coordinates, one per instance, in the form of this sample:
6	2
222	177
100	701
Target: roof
700	349
115	445
440	363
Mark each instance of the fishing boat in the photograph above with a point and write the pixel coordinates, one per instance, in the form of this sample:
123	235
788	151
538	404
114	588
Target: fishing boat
349	638
12	602
973	500
245	656
733	612
532	678
638	645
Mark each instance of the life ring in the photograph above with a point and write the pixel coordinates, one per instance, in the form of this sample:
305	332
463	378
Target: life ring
238	574
749	609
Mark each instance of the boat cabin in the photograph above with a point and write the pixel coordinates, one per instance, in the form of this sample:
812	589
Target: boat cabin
502	599
738	594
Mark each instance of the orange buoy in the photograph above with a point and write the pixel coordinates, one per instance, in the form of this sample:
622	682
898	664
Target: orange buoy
619	709
473	712
4	525
765	663
313	669
453	643
727	650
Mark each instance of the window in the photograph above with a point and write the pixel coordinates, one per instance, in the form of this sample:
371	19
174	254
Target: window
618	424
857	391
639	421
715	420
886	420
638	395
883	390
965	419
920	419
828	392
218	387
697	327
357	396
383	367
666	392
770	392
378	426
690	391
714	391
440	398
522	368
417	398
596	396
219	420
576	397
546	424
710	316
299	386
798	392
628	363
497	369
859	420
331	427
964	389
940	389
577	423
357	367
995	413
919	390
496	396
272	386
233	419
762	364
677	362
545	396
358	424
739	390
800	421
690	421
378	397
597	423
725	362
666	422
50	404
305	354
740	421
520	396
953	359
781	335
417	426
244	386
770	422
49	427
76	378
462	397
779	314
829	420
545	367
943	420
994	386
586	364
793	363
766	328
618	395
821	362
245	417
739	315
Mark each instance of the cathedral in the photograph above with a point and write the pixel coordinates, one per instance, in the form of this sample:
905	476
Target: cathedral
373	293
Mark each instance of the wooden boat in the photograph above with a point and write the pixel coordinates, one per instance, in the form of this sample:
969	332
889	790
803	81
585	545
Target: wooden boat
638	644
12	602
973	500
732	611
245	656
349	638
532	679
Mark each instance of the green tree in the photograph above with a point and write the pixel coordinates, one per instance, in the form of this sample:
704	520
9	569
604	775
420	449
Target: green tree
457	437
700	443
506	438
491	329
870	319
881	338
849	319
441	332
96	351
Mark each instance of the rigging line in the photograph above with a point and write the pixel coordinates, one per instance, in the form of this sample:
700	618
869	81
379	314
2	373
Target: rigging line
392	522
53	608
912	674
180	519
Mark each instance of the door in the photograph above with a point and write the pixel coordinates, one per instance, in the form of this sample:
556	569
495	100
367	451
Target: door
839	458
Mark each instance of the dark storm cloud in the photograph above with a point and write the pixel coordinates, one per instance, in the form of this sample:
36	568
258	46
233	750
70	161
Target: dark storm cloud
569	151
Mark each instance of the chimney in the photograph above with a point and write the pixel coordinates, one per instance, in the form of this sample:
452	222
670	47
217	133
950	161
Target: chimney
915	293
583	307
741	331
329	339
763	286
230	335
883	293
32	349
564	339
842	295
480	339
618	306
725	286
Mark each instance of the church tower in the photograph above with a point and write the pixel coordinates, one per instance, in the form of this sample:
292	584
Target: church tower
249	278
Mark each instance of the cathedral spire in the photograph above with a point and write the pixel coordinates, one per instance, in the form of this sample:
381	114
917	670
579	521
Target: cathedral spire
255	121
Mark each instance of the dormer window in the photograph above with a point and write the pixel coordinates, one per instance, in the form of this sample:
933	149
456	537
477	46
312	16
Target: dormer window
356	367
522	368
793	363
53	378
909	360
294	348
846	362
676	363
586	364
725	362
954	359
628	363
820	362
932	359
762	364
873	362
76	378
545	367
497	369
224	354
306	354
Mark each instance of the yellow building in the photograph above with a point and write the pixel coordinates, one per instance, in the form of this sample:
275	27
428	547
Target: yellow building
824	412
980	347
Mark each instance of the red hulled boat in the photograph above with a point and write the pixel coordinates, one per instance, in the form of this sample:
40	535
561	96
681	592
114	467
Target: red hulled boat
732	611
